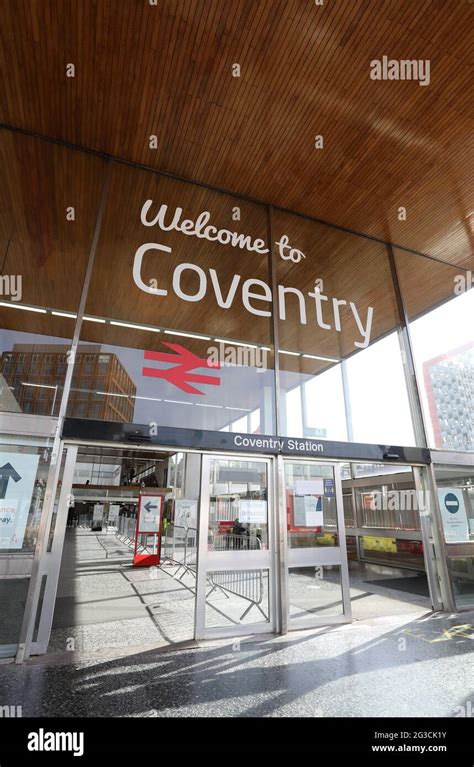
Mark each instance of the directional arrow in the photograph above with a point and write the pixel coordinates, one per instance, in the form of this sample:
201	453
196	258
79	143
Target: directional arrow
7	472
149	506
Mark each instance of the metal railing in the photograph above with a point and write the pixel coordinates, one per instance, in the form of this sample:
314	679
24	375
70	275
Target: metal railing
179	548
391	519
126	527
233	542
247	584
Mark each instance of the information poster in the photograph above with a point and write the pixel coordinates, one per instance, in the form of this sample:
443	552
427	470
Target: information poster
329	488
453	513
150	513
17	481
308	511
185	513
309	487
253	512
113	513
98	513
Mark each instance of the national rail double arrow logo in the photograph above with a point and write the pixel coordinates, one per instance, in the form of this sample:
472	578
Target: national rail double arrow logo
179	375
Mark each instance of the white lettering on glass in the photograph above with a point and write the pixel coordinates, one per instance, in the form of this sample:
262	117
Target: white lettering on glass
253	290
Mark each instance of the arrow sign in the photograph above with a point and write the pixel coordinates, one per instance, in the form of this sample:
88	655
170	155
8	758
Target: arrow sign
180	375
149	506
7	472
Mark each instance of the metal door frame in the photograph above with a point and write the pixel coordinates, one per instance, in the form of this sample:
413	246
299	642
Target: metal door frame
340	559
39	610
50	564
265	559
439	585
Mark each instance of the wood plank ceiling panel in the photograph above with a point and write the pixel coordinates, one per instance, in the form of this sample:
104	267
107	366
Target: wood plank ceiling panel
167	70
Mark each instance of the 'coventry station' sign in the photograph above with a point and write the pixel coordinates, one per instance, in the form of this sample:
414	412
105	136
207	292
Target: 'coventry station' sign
203	439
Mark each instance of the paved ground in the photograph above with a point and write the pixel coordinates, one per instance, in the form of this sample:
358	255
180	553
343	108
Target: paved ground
396	666
126	626
104	602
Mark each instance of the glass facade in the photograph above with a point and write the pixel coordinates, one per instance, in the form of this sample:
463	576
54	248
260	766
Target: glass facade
43	268
184	325
440	311
204	310
341	366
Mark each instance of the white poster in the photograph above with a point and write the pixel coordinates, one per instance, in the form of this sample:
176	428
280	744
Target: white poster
307	511
98	514
150	513
185	513
17	481
309	487
254	512
299	517
313	510
113	513
453	512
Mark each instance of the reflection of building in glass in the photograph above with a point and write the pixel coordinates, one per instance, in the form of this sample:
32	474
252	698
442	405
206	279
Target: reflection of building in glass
35	376
449	381
7	399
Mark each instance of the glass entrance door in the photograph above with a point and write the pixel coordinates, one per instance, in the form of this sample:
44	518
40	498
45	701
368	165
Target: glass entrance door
235	589
317	577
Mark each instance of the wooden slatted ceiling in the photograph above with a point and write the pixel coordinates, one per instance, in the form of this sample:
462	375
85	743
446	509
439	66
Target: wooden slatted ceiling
167	70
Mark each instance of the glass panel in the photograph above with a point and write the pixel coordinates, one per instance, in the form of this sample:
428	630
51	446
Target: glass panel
390	502
341	366
375	469
23	476
461	570
238	512
22	488
32	371
377	510
440	307
375	378
310	505
456	501
13	593
236	597
328	422
349	511
184	337
391	550
315	591
40	296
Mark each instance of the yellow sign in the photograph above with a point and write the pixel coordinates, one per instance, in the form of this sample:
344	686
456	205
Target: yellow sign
372	543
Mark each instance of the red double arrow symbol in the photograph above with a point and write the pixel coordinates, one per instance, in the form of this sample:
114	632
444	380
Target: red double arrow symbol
179	375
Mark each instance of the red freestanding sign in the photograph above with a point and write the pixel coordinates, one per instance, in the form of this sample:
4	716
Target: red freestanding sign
150	507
